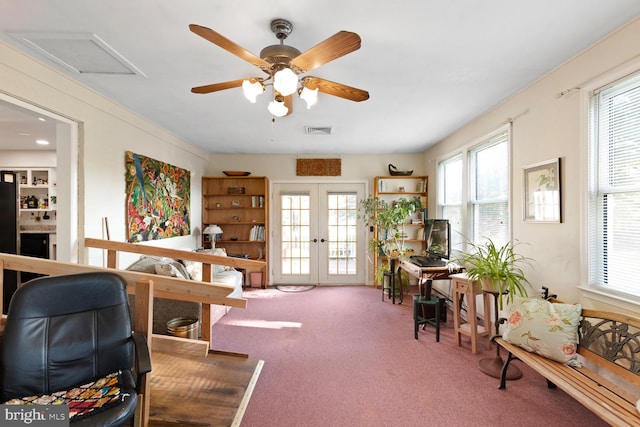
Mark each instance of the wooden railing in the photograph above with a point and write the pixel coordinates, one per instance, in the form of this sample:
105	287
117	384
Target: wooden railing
206	259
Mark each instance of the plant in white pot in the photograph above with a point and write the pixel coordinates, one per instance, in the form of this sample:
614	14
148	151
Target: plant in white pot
498	269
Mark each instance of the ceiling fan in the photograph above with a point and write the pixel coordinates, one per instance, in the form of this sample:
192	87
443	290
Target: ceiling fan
283	64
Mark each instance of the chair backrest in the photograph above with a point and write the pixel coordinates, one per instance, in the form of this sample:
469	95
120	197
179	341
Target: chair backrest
63	331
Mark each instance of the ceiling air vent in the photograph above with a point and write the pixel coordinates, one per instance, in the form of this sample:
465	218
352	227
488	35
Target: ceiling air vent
311	130
82	53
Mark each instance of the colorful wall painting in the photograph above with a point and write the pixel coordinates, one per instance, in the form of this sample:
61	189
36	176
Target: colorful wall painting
157	199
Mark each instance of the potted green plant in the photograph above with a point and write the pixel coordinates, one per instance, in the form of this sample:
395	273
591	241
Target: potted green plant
389	220
498	269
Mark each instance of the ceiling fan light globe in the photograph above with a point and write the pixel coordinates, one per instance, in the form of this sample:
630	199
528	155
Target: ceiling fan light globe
277	108
310	96
285	81
252	90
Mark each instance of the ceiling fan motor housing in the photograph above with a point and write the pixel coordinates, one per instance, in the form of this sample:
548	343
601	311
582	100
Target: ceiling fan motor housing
279	55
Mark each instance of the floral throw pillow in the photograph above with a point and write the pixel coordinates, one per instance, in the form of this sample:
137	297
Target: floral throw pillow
548	329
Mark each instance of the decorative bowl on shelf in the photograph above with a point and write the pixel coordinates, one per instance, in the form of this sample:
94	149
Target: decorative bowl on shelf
393	171
236	173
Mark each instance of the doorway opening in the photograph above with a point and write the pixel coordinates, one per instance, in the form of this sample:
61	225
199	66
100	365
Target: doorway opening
317	237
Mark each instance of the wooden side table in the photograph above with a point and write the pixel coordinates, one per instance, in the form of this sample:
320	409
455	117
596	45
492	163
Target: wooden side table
462	288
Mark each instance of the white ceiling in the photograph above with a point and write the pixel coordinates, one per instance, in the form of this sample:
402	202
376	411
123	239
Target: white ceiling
430	66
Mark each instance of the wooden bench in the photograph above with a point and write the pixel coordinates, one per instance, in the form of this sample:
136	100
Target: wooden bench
609	382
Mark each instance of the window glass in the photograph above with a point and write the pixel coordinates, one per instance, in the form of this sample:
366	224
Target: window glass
485	168
614	193
489	191
450	178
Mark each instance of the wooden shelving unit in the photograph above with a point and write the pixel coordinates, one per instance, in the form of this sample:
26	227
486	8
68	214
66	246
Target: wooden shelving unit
390	188
38	183
239	205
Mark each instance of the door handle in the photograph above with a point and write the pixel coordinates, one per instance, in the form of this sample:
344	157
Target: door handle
315	240
322	240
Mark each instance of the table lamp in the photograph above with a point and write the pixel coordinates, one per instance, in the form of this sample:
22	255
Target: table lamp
214	233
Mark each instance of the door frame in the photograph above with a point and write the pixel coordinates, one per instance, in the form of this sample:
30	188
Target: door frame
69	219
273	215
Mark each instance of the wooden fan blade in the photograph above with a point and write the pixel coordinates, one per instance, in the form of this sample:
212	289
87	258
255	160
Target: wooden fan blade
229	46
336	89
334	47
217	86
288	102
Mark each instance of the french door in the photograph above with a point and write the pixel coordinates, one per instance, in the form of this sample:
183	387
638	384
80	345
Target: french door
317	237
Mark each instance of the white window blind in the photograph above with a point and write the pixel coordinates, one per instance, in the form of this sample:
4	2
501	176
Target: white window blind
489	190
614	186
450	198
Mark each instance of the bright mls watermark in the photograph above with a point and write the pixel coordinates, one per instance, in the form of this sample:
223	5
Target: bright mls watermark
34	415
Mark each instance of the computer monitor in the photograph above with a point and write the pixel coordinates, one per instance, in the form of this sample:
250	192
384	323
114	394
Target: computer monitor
437	235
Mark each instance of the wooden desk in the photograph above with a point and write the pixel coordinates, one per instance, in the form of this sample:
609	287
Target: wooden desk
462	287
424	273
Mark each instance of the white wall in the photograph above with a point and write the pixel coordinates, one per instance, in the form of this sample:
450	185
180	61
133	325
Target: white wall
283	167
27	159
546	126
107	131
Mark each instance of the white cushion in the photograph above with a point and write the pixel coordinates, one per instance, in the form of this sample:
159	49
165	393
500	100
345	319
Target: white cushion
159	265
168	270
548	329
216	268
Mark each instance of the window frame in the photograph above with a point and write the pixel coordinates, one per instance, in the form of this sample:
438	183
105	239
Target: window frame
594	292
465	152
595	192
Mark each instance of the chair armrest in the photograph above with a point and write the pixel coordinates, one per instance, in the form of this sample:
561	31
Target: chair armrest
143	359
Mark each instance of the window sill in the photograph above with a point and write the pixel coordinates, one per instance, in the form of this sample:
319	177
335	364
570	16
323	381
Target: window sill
600	295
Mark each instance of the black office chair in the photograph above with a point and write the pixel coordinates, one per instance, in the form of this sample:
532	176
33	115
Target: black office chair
66	331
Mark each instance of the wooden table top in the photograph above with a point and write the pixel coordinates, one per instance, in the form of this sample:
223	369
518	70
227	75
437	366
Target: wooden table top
202	391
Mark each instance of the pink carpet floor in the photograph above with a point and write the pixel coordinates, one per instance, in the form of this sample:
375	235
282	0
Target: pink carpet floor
338	356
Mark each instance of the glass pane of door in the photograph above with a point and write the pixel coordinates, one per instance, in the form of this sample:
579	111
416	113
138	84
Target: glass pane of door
295	225
342	245
342	216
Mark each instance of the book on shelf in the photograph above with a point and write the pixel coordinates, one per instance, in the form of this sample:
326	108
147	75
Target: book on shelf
256	233
257	201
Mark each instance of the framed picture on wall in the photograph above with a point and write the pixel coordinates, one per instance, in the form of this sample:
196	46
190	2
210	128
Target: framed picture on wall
542	192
